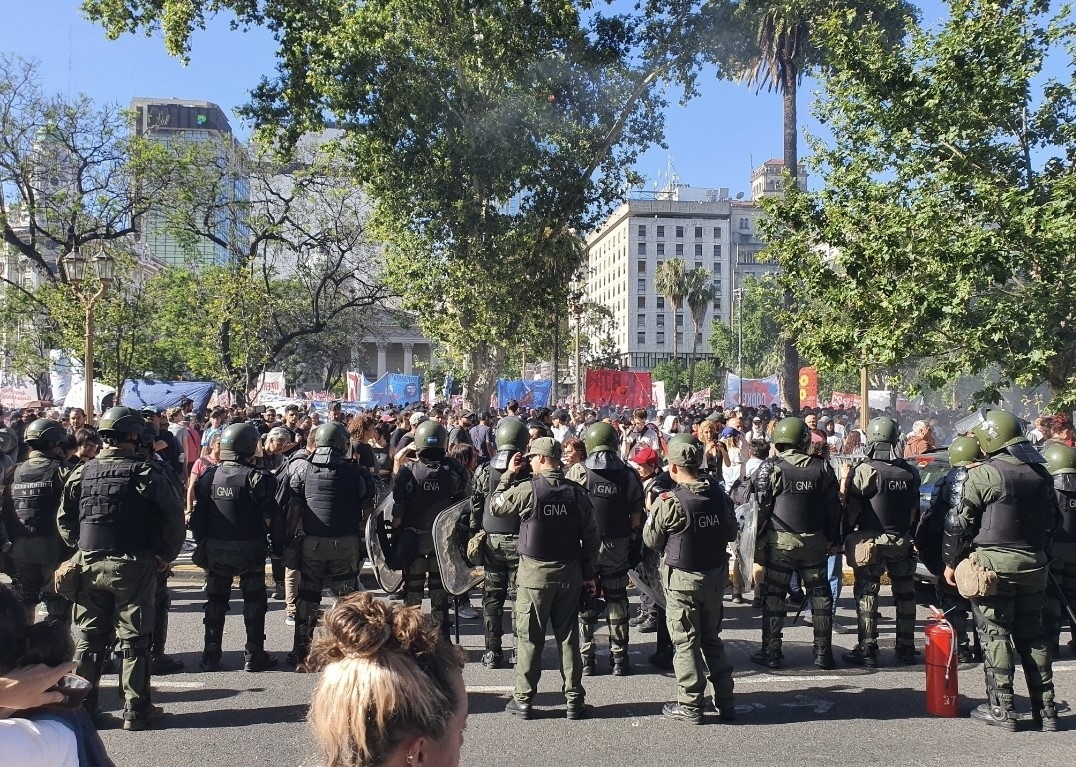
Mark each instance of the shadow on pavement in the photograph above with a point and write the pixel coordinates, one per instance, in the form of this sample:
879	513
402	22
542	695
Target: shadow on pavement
237	717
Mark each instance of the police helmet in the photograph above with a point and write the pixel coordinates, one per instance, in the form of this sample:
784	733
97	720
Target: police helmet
792	431
600	436
884	430
963	451
149	436
44	433
238	440
9	443
997	430
119	423
1060	459
511	434
332	435
431	439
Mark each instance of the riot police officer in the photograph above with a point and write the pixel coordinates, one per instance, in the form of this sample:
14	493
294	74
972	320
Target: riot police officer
928	542
1003	511
127	522
1061	462
327	493
558	548
498	552
693	525
616	496
236	505
798	524
36	548
882	506
422	490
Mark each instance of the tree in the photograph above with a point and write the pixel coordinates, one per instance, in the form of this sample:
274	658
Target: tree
947	214
762	332
485	134
785	51
699	296
674	376
670	279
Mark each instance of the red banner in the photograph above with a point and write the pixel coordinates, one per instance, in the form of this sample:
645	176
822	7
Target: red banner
809	387
848	400
618	387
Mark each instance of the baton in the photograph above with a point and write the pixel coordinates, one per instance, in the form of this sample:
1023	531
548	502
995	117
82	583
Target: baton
456	610
1061	596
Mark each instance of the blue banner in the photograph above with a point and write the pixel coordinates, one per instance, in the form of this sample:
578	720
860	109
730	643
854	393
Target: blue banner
392	389
526	393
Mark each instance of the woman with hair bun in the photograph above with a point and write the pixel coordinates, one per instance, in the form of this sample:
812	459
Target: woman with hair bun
391	690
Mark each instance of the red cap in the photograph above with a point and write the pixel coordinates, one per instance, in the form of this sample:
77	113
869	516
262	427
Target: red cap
646	455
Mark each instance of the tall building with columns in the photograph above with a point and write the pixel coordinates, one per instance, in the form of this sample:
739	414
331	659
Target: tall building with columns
393	345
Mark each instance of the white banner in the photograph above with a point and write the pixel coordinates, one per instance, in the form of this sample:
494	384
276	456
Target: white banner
354	386
270	384
657	393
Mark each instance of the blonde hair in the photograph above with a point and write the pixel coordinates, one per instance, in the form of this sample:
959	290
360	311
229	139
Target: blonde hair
706	431
387	675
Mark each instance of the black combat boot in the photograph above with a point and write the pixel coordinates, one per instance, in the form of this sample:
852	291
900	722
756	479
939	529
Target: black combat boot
590	667
258	660
649	625
621	665
766	658
676	711
210	658
824	659
997	716
863	655
1044	718
907	655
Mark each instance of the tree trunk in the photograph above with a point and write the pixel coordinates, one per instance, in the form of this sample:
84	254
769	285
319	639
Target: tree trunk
790	380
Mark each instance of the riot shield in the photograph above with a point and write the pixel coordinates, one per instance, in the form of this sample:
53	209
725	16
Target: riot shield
457	575
647	579
747	516
388	579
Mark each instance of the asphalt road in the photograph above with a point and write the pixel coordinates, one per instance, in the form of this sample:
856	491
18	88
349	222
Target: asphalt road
798	715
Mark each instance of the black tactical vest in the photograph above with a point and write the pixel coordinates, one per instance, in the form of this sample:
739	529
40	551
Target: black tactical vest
36	493
800	506
432	490
232	513
701	545
1066	499
334	496
608	491
551	532
500	525
890	510
112	515
1019	518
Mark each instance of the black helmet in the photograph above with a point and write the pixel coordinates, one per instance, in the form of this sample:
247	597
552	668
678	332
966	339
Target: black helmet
511	434
240	440
333	435
44	433
149	436
430	438
120	422
600	436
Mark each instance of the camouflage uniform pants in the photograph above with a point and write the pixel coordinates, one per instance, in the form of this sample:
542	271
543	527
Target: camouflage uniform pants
811	564
321	560
229	560
557	605
501	563
1015	613
35	560
892	554
115	593
611	579
694	621
424	572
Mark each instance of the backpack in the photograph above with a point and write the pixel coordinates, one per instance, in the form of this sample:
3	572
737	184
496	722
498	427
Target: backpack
744	487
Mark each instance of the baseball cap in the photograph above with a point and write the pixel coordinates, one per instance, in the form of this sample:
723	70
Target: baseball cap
417	418
685	454
646	456
545	446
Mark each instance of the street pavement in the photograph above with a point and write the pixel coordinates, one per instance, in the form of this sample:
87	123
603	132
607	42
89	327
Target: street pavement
798	715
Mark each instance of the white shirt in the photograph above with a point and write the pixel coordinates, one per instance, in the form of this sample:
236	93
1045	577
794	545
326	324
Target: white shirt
37	744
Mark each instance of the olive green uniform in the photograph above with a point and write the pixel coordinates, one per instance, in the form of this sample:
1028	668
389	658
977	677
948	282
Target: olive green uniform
1015	612
694	609
785	552
116	589
548	592
500	561
893	554
1063	569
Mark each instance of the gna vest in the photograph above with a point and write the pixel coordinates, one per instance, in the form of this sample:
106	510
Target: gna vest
1020	517
334	496
551	532
233	514
608	491
432	490
112	515
890	509
36	494
1066	500
497	525
701	545
799	507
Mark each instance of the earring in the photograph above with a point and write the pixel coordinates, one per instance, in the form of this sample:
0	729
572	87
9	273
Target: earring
410	758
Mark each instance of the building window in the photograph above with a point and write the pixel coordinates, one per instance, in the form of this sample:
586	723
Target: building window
698	250
698	264
661	302
642	267
661	231
642	248
717	251
717	267
698	232
641	338
717	283
642	302
717	232
745	223
660	338
642	285
680	339
679	320
679	232
640	320
717	303
661	248
679	248
642	230
661	320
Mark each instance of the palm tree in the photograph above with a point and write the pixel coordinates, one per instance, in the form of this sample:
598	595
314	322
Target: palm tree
700	293
670	279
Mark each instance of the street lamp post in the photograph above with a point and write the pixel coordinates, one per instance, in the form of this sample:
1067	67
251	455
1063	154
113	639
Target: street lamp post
737	294
104	266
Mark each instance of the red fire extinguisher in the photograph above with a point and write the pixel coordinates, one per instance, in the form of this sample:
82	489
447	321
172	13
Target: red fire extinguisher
941	663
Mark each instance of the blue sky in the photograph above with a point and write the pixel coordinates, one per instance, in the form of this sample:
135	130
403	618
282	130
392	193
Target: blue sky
713	141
